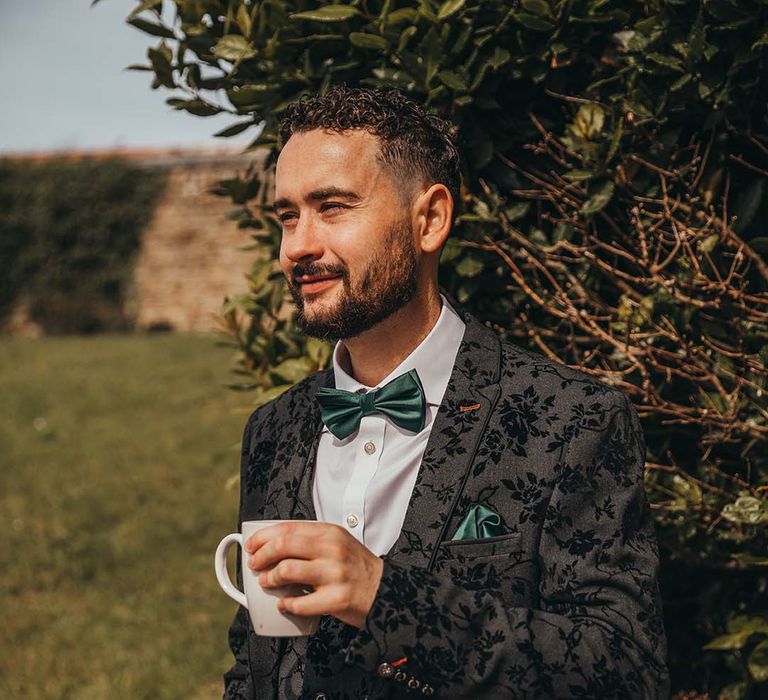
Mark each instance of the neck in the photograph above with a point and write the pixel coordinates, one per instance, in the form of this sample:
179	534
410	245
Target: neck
372	355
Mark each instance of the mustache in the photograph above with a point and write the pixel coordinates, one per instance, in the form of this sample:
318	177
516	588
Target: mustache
311	270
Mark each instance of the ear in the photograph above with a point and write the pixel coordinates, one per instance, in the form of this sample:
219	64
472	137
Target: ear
434	216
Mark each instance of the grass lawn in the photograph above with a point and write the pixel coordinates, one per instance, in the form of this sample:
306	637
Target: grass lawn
115	452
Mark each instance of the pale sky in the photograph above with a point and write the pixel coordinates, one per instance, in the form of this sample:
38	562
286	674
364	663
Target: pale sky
62	67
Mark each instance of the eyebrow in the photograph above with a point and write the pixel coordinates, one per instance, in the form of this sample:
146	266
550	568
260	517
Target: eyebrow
319	196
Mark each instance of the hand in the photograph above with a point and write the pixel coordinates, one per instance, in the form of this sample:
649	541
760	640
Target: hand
344	574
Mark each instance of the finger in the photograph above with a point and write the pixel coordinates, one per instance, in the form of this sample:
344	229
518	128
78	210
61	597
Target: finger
290	571
310	528
283	547
324	601
262	535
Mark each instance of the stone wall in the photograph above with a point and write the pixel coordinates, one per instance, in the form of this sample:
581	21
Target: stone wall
190	257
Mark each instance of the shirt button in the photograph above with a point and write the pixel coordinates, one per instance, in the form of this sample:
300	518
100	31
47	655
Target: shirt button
369	448
352	520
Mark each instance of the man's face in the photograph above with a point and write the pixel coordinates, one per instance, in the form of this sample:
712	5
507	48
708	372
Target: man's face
348	249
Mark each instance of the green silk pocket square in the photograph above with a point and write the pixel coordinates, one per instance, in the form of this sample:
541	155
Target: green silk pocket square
480	521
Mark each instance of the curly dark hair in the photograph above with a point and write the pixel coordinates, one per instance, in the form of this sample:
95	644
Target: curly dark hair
413	143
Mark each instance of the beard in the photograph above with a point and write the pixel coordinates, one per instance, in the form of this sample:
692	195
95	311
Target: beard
388	283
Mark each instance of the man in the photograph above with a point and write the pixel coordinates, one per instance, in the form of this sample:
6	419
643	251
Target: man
476	520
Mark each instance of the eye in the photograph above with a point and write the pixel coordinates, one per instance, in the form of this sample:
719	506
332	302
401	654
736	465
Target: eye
331	205
285	217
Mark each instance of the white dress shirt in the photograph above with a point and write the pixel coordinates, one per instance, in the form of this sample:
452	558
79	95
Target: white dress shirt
364	482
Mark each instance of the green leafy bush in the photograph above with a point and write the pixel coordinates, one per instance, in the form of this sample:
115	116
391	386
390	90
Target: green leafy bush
614	207
69	232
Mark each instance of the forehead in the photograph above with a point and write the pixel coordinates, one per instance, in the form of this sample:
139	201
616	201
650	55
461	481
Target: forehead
315	159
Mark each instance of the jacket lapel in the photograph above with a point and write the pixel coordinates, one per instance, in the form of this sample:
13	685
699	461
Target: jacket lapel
468	403
289	494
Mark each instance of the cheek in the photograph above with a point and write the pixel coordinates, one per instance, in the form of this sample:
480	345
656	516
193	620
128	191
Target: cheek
283	260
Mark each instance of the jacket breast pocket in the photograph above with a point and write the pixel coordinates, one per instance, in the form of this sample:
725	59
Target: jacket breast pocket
473	551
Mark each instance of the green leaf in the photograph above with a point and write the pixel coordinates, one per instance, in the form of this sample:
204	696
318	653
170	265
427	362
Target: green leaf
405	37
562	232
452	79
750	559
431	50
726	642
273	392
243	19
499	57
247	96
762	41
142	6
589	121
293	369
151	28
234	129
578	175
537	7
160	59
318	351
748	204
688	489
368	41
517	211
758	662
666	61
405	15
469	267
451	250
740	629
196	107
709	243
598	200
328	13
746	510
533	22
233	47
680	82
449	8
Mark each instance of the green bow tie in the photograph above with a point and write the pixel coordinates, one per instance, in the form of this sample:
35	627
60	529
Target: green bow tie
402	400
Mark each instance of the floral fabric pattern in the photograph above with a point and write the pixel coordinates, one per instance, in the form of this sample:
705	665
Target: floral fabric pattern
563	604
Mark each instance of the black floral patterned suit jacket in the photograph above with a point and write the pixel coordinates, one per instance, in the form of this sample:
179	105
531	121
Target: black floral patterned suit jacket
565	604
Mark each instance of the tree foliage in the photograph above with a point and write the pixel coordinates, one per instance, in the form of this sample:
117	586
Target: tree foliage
69	234
614	199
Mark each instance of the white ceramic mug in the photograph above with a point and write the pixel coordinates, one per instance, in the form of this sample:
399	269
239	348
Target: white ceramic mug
261	603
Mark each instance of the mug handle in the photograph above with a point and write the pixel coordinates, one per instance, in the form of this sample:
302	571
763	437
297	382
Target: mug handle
222	574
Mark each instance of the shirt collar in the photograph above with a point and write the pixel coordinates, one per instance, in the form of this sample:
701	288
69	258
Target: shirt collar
433	358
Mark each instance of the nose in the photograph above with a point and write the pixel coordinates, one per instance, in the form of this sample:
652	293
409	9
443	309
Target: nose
302	241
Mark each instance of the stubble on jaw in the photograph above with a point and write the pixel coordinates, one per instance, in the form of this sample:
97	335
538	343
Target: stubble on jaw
389	282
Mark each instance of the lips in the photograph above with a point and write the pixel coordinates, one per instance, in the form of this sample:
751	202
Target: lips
316	283
309	279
